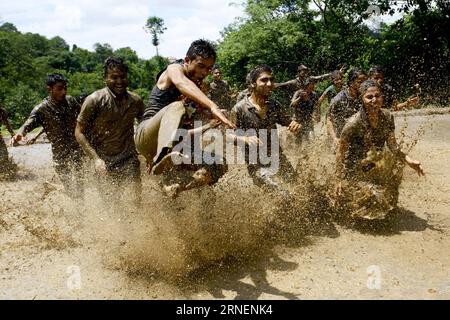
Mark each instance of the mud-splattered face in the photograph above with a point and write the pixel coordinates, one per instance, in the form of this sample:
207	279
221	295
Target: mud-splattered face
372	100
264	84
338	81
117	81
217	75
358	81
303	73
199	68
58	91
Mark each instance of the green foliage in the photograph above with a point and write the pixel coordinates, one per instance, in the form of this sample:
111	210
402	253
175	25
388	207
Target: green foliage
19	101
155	26
26	59
324	34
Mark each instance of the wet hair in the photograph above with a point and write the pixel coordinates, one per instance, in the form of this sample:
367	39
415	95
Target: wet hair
253	75
376	69
302	67
366	85
354	74
114	63
202	48
215	67
54	78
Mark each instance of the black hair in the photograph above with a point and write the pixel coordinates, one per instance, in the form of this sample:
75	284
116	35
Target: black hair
302	67
253	75
366	85
335	74
215	67
114	63
54	78
376	69
354	74
202	48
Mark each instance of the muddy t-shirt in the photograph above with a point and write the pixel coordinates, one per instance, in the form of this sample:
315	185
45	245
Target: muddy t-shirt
304	110
245	116
59	122
341	109
110	126
220	94
361	137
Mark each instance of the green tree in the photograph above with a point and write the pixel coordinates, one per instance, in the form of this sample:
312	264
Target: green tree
155	26
19	102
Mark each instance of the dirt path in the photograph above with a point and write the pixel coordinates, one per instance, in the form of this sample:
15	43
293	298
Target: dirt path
52	248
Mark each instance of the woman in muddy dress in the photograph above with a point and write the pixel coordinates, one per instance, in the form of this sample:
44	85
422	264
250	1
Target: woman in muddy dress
369	162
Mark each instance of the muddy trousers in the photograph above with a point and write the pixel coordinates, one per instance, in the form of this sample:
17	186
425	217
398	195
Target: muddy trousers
71	176
157	136
123	177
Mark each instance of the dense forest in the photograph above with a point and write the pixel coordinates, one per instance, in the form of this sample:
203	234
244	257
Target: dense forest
26	59
324	34
321	34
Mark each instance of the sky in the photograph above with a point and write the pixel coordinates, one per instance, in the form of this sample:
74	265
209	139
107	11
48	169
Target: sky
120	23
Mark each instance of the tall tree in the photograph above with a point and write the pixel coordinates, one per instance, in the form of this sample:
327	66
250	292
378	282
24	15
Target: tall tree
155	26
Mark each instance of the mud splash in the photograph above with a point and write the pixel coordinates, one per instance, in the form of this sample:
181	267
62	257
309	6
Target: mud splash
175	238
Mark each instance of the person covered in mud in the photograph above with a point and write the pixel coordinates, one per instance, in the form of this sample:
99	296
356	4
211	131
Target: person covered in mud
220	91
80	99
256	116
332	91
377	73
7	167
176	96
105	129
300	81
344	105
369	162
57	116
305	107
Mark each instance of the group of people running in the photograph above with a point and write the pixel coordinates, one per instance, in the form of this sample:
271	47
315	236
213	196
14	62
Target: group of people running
102	127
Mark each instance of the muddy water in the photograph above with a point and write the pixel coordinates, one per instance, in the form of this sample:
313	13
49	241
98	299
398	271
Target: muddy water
209	244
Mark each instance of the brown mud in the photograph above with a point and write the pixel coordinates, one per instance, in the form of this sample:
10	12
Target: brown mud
232	241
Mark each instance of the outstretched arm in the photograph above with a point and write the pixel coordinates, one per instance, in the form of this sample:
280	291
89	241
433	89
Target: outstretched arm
395	148
32	141
29	125
321	77
285	84
412	101
190	90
